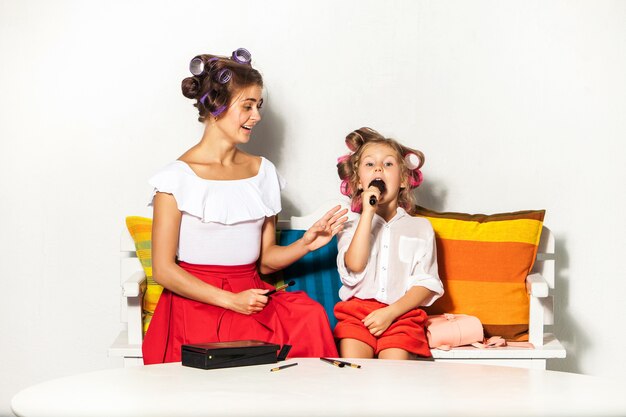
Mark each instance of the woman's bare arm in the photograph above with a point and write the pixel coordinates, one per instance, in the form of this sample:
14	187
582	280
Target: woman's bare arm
165	232
274	257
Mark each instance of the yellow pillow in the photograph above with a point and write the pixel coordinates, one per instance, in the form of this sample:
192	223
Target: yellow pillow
140	228
483	263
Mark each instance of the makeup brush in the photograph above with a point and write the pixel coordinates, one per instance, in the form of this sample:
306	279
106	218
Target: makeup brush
282	287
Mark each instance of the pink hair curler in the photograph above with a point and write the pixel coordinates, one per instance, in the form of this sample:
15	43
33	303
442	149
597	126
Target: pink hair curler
412	161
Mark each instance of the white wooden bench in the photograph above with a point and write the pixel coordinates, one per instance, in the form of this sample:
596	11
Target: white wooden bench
540	285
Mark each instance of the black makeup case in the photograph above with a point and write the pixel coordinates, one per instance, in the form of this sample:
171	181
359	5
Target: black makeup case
231	354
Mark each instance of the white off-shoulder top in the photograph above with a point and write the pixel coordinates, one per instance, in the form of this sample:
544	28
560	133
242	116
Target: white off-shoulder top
221	219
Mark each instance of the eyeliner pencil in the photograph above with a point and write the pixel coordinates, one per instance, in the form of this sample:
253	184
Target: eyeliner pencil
334	362
283	367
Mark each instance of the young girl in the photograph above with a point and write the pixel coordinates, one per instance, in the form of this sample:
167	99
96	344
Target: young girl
214	228
387	259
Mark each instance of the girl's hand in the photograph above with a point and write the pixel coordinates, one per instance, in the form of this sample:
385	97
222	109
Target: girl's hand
325	228
365	200
249	301
379	320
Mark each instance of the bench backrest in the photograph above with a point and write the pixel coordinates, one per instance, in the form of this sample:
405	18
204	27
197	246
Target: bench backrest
316	273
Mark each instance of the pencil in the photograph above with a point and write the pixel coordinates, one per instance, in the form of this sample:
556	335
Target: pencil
352	365
334	362
283	367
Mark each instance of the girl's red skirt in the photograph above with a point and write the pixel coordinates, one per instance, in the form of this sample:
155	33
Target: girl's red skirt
289	318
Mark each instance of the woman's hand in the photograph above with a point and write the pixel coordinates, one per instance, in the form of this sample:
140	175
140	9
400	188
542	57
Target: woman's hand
325	228
379	320
249	301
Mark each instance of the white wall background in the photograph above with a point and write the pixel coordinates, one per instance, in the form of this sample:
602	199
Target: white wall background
517	105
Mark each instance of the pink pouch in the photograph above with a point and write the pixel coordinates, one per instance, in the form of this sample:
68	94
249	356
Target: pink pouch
446	331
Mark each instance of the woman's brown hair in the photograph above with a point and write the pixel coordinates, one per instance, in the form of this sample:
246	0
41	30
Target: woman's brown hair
212	92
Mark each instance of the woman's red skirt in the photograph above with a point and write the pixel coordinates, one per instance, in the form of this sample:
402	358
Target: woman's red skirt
290	318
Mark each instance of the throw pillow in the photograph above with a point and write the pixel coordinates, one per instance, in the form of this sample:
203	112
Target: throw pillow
315	273
483	263
140	229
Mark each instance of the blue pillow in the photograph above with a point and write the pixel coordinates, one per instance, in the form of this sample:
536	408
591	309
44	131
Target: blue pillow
315	273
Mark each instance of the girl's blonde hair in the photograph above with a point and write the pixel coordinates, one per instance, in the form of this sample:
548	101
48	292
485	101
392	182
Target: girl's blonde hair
348	166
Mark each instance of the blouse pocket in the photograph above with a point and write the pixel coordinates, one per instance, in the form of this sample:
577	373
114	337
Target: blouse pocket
411	248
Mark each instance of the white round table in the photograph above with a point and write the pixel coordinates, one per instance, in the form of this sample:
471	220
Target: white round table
315	388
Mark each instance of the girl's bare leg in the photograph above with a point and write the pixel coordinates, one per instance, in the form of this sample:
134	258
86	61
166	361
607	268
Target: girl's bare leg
352	348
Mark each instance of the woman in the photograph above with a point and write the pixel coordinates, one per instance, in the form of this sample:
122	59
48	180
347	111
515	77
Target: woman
214	226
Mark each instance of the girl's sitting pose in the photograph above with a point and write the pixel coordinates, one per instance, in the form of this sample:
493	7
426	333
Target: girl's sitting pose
387	258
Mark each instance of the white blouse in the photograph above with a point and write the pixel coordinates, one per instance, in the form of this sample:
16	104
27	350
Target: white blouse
402	255
221	219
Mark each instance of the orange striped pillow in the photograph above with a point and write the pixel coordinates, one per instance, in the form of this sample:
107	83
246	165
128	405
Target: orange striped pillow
483	263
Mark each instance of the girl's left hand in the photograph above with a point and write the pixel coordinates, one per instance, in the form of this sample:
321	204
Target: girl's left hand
325	228
379	320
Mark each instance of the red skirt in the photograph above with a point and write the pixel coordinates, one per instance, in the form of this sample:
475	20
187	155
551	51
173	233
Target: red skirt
290	318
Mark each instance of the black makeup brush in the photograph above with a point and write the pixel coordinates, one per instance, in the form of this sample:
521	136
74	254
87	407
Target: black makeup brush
380	184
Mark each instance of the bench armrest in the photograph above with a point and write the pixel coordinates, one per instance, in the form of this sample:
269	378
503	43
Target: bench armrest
540	313
537	286
132	295
132	286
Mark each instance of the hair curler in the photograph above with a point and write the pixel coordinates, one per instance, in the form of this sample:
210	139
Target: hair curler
412	161
197	66
223	76
241	56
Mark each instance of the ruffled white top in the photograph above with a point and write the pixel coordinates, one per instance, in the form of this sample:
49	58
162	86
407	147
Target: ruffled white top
221	219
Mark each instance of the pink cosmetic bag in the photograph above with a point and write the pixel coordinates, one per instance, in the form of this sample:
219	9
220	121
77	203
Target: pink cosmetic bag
446	331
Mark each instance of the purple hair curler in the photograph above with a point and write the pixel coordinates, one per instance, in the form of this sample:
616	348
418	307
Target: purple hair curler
215	112
198	67
241	56
223	76
218	111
